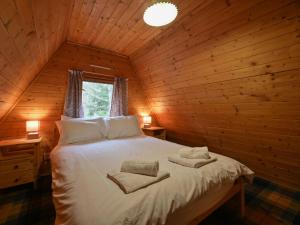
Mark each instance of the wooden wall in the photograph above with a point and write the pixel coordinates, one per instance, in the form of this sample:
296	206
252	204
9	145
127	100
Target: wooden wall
44	99
228	76
30	32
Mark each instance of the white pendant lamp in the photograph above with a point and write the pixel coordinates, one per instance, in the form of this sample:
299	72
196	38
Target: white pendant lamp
160	13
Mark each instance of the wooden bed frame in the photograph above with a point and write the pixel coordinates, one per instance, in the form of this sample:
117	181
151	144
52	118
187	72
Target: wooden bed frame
237	188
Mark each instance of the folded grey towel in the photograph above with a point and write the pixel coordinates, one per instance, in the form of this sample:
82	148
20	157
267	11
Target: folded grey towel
130	182
194	153
194	163
149	168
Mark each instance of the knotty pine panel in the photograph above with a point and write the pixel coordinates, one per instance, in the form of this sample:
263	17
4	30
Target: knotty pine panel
228	77
118	25
30	32
44	98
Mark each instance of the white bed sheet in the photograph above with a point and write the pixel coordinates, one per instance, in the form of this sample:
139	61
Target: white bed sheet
83	195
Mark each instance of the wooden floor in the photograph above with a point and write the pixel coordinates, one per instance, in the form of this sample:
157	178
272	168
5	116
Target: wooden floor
266	204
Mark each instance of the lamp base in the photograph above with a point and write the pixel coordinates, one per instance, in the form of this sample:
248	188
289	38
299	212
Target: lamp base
33	135
147	125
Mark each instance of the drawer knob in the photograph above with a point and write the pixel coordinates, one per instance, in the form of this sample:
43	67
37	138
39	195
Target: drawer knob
16	167
16	180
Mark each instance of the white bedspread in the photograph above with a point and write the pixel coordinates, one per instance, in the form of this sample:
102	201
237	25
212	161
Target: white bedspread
83	195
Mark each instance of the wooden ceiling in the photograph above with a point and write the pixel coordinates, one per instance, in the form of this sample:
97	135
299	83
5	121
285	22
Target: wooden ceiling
118	24
32	30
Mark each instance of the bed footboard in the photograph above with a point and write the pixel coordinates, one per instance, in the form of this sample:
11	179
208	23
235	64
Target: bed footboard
237	188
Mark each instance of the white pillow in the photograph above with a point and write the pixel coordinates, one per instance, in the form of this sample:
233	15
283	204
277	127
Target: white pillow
122	126
72	131
99	120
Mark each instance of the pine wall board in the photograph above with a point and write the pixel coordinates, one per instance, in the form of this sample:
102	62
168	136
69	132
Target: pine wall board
228	77
118	25
44	99
225	74
30	32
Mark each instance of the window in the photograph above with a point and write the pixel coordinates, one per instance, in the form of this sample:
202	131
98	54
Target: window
96	98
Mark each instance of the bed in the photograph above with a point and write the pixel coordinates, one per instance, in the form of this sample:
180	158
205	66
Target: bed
83	195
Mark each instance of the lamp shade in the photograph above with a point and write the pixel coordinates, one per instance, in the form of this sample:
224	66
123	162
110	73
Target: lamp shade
160	14
32	126
147	120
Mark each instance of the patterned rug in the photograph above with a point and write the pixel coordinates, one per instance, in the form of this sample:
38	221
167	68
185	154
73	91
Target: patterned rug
22	205
266	204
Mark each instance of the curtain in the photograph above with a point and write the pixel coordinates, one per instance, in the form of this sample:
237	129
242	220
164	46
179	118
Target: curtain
73	99
119	105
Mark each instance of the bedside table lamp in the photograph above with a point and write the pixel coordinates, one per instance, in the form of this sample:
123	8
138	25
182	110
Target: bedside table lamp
147	121
32	129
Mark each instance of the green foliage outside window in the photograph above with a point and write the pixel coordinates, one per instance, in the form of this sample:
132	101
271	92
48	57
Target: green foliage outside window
96	99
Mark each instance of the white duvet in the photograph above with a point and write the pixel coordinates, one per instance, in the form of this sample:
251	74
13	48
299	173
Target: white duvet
83	195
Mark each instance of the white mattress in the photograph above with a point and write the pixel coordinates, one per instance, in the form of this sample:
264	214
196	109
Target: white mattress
83	195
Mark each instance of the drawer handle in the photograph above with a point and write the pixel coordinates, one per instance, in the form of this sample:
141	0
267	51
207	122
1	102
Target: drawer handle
16	180
16	167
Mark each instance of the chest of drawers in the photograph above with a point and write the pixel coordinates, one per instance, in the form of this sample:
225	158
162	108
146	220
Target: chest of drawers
19	161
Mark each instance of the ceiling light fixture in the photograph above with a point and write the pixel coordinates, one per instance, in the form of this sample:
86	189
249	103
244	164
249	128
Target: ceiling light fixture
160	13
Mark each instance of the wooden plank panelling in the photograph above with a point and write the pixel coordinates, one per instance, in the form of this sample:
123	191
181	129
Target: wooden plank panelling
225	74
44	99
30	32
228	76
118	25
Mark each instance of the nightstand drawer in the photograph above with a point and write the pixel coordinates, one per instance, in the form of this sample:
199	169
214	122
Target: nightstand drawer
17	151
161	136
19	161
14	165
157	132
15	178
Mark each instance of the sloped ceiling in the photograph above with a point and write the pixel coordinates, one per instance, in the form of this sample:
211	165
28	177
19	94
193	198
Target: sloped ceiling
118	24
32	30
229	77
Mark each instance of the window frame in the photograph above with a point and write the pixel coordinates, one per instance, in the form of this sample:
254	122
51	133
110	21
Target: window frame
97	79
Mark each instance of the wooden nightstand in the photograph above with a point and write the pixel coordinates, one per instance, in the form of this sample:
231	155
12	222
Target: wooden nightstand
157	132
19	161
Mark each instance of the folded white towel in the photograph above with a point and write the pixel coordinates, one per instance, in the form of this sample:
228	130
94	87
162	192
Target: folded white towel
130	182
194	153
149	168
194	163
